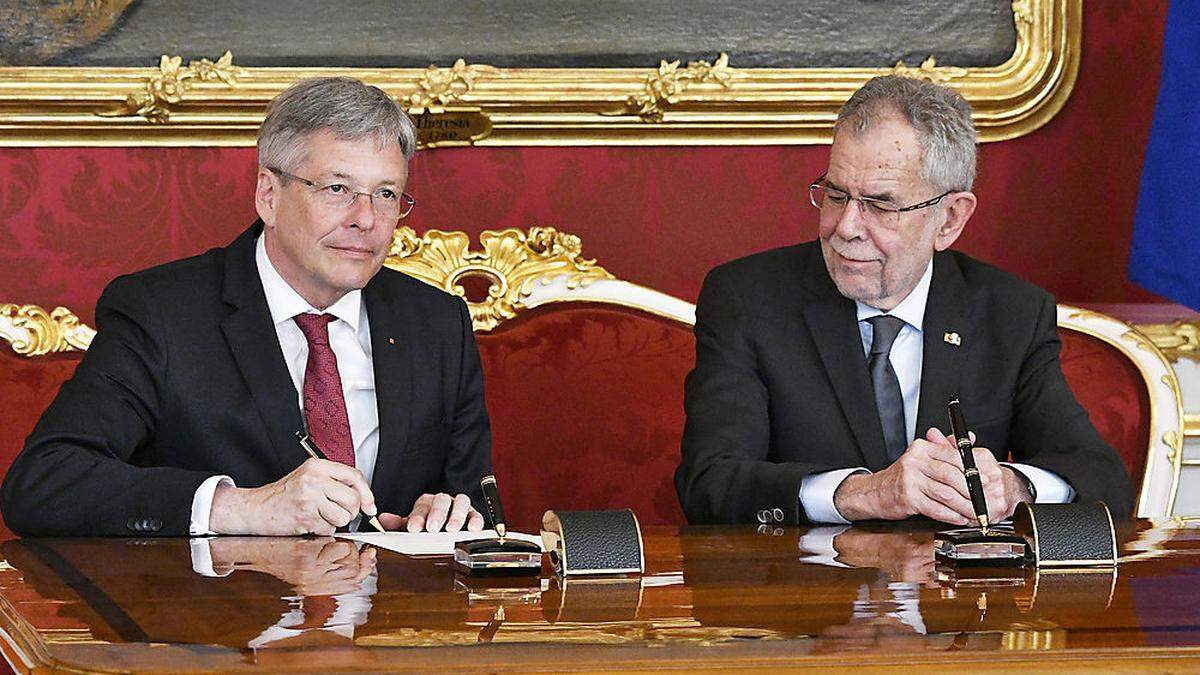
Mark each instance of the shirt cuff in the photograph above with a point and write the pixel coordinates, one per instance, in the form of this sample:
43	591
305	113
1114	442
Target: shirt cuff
202	504
202	562
816	545
1049	487
816	495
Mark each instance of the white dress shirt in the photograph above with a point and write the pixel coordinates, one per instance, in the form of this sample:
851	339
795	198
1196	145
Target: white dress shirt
907	355
350	339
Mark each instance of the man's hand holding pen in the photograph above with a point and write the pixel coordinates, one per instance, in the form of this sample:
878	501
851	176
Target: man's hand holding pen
928	480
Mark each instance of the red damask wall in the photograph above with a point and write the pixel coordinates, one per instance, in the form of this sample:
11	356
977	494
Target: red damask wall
1056	206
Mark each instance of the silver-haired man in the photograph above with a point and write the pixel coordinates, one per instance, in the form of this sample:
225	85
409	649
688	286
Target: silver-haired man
184	415
823	370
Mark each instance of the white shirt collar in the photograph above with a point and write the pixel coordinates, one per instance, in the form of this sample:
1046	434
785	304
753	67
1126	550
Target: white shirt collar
285	303
911	309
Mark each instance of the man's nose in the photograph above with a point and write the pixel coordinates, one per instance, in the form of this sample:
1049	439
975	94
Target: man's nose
362	211
851	223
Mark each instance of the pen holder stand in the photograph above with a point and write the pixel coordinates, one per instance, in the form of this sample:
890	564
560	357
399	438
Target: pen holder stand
593	542
497	556
1068	535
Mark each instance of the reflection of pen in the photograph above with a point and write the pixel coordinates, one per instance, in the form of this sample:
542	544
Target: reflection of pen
958	428
313	451
489	631
491	496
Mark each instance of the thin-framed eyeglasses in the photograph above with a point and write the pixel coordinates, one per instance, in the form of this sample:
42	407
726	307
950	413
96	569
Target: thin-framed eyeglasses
385	202
833	200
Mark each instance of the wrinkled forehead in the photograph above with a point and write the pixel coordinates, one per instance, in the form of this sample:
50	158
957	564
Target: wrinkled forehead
886	149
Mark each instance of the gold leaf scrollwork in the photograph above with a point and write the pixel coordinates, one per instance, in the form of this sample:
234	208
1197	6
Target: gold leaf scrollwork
439	87
1178	339
172	81
666	85
1174	446
32	331
1022	14
929	71
511	261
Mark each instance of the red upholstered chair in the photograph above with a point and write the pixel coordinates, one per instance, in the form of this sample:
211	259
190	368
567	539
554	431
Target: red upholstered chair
56	339
583	372
1132	396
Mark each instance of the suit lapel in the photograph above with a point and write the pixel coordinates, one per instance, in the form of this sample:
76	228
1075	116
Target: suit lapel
391	337
947	338
833	322
251	336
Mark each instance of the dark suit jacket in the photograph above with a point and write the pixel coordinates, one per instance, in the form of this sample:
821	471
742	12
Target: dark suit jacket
781	388
185	379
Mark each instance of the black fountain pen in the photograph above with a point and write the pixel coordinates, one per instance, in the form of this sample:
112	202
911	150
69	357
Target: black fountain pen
491	495
313	451
966	451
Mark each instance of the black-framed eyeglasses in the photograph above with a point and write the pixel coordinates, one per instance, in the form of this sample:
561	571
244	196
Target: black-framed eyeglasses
824	197
385	202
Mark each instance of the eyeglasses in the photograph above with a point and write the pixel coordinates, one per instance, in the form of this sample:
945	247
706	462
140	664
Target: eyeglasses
832	200
385	202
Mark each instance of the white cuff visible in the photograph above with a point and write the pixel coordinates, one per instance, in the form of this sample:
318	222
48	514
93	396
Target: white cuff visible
202	504
816	545
202	562
816	495
1051	488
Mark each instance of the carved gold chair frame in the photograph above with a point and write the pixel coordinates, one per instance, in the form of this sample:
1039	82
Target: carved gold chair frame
207	102
526	269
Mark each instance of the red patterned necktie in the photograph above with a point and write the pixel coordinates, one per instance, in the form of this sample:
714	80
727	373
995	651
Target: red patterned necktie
324	404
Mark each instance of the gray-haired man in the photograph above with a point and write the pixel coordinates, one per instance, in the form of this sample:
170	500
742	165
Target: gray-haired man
823	370
184	414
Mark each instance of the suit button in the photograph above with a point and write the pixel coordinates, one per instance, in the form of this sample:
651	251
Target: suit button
778	513
764	516
132	524
764	529
154	524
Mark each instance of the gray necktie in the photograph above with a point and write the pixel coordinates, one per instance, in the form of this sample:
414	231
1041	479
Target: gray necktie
888	398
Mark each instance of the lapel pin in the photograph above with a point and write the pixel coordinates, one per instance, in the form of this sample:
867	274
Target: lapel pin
391	341
952	338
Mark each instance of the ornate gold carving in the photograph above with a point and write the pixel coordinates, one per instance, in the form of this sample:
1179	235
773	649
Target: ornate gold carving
1178	339
1174	445
929	71
1138	338
439	87
168	86
550	106
667	85
32	331
511	261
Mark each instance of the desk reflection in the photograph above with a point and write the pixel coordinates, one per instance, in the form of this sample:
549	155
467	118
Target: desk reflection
783	593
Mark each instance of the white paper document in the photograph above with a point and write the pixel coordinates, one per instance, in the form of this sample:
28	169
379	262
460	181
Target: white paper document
429	543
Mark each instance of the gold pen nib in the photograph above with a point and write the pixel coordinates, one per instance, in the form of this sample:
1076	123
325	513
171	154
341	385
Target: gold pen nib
983	523
374	521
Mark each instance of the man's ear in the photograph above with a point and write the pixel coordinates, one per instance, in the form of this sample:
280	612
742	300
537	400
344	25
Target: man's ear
959	207
266	196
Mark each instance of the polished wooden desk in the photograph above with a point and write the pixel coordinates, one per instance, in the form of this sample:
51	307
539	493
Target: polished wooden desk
713	597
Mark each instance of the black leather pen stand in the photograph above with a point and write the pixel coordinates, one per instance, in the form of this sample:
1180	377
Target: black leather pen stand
1068	535
593	542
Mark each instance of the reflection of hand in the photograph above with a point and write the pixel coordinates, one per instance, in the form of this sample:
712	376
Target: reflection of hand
926	480
905	556
317	498
433	513
875	633
310	566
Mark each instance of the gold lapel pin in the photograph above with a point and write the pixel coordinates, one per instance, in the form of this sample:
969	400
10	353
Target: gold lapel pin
952	338
391	341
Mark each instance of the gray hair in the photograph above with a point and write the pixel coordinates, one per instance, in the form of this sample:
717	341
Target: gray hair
940	116
350	109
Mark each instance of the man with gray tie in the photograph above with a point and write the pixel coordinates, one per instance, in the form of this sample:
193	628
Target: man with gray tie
823	369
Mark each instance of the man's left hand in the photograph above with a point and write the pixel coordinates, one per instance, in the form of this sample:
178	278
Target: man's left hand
435	513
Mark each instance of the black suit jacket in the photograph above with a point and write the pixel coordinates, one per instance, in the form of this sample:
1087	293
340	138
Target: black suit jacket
186	379
781	388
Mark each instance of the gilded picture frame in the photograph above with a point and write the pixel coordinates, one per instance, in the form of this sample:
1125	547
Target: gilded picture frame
215	102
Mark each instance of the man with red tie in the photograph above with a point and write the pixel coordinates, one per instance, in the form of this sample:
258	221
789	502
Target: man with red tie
184	415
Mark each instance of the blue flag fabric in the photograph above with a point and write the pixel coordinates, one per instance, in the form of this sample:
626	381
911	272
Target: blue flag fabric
1165	257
